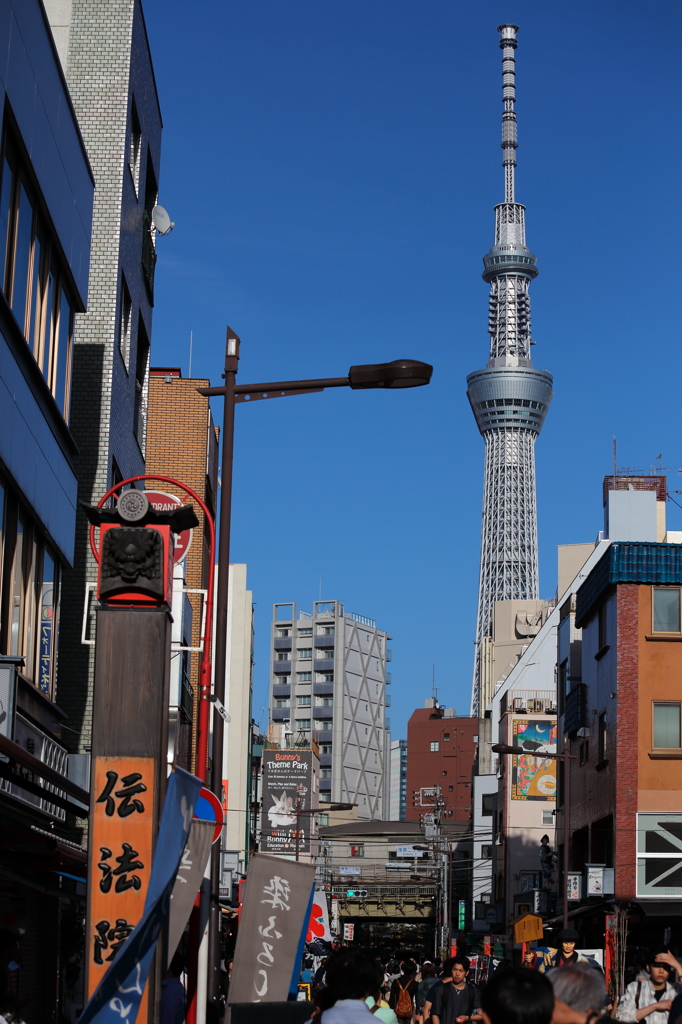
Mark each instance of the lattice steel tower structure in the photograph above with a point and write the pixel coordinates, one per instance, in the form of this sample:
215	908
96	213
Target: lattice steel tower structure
509	399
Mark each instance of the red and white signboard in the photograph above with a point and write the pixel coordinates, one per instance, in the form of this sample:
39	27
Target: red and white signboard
348	932
162	502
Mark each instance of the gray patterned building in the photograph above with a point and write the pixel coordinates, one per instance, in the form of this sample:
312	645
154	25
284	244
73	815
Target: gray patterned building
328	684
104	51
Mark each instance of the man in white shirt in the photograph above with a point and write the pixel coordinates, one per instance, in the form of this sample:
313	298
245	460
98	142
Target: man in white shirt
651	997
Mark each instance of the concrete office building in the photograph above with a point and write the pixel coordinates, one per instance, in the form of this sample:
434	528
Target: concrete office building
397	786
105	56
328	685
46	202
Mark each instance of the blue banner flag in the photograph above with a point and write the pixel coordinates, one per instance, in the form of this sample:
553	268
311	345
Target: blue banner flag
118	996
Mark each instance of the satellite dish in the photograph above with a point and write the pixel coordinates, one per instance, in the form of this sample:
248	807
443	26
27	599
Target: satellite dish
162	221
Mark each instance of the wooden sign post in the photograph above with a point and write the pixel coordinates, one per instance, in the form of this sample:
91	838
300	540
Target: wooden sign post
129	727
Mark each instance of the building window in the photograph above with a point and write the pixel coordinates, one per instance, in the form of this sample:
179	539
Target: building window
304	702
303	677
325	702
325	773
303	723
547	817
487	803
325	798
601	623
135	147
584	752
486	852
282	656
435	746
30	592
446	737
141	384
305	631
124	324
451	789
444	773
666	610
325	677
602	738
283	632
323	819
667	726
325	748
305	653
32	276
327	631
357	851
282	702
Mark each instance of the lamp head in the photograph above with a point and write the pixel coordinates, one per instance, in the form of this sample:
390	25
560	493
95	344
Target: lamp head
401	373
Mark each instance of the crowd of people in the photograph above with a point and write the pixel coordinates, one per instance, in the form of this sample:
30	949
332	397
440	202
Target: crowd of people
554	986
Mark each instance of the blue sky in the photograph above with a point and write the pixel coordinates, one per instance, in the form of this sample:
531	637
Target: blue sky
332	169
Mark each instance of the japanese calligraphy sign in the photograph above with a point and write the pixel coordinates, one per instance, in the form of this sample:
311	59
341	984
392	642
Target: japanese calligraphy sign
119	996
287	783
273	927
534	776
120	856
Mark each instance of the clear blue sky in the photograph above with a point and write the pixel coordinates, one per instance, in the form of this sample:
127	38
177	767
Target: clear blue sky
332	168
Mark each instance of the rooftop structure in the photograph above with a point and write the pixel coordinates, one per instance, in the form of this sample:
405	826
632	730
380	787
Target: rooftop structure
509	398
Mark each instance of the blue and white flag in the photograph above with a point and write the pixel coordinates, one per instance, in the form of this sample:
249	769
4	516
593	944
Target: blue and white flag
117	998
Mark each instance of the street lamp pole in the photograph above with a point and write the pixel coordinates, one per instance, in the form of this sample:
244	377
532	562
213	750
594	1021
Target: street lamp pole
401	373
564	757
315	810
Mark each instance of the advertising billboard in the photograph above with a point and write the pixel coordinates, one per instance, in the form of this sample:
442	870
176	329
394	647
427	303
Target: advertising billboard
287	784
534	776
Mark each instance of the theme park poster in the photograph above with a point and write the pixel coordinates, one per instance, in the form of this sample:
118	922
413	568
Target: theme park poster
534	776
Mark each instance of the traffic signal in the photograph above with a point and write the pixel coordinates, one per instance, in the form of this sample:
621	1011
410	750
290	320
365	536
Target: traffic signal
359	893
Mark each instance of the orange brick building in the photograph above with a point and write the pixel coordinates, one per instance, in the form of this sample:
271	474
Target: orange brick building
182	442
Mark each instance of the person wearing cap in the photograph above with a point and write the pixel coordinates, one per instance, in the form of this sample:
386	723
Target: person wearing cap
565	954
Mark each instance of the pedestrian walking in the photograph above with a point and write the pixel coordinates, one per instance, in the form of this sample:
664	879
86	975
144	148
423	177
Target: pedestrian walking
459	1002
652	997
424	987
579	995
517	996
173	997
403	992
350	977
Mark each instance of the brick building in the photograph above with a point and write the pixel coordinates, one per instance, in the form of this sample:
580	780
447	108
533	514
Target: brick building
182	442
621	712
114	97
440	752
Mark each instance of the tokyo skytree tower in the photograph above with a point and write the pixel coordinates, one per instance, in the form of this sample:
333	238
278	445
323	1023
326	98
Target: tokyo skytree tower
509	399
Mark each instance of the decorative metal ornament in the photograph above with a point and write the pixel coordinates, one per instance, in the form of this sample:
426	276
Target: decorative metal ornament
133	505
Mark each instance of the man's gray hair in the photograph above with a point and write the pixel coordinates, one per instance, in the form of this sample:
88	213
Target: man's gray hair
579	986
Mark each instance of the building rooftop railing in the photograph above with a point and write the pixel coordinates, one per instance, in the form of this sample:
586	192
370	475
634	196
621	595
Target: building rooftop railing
362	619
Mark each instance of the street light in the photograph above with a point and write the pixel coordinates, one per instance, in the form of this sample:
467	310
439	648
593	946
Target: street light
401	373
505	748
316	810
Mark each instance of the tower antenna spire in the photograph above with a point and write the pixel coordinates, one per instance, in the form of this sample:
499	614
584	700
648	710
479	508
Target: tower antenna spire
509	141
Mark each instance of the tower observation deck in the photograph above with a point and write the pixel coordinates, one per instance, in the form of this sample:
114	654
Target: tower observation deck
509	399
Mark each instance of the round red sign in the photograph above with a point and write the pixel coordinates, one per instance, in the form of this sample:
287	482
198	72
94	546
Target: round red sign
163	502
